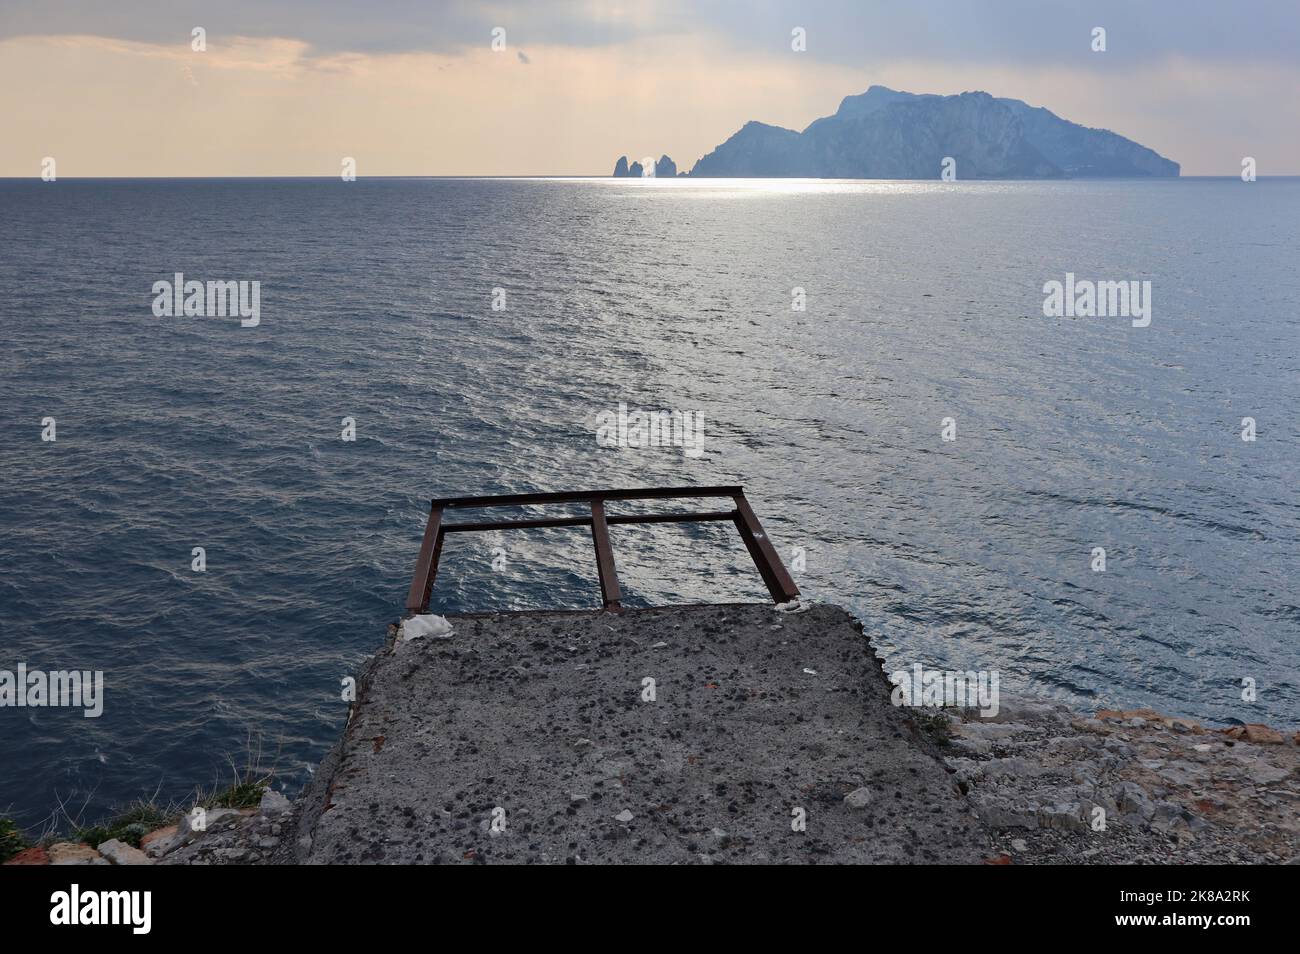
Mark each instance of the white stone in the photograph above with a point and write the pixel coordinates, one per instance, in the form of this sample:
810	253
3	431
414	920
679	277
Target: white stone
431	625
120	853
274	804
858	798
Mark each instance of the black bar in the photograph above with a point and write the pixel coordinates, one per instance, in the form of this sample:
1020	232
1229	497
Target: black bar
1094	891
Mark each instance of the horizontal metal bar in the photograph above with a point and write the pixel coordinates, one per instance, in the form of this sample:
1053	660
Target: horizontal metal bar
530	524
672	517
517	524
644	493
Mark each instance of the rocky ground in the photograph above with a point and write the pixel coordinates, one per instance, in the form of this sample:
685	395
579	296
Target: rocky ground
222	836
530	738
1127	787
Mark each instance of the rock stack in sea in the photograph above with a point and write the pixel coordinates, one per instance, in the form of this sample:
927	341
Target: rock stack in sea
665	168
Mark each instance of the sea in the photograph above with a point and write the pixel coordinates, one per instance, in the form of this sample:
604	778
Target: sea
221	513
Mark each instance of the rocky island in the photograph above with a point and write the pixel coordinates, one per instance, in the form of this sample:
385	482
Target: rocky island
890	134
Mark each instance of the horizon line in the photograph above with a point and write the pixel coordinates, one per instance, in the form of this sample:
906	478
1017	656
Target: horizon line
545	176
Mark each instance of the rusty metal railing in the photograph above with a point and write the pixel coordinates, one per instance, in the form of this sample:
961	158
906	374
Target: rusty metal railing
769	564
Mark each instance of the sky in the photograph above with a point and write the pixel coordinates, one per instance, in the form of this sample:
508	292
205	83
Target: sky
116	88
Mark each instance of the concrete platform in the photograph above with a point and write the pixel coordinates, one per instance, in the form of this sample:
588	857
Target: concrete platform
543	723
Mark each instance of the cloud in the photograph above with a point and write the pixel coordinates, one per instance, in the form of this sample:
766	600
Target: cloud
286	103
337	26
852	32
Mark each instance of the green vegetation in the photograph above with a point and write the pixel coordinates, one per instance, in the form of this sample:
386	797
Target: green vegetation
247	784
935	726
11	839
130	825
243	794
244	790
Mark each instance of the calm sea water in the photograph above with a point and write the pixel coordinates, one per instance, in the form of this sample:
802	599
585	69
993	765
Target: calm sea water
924	302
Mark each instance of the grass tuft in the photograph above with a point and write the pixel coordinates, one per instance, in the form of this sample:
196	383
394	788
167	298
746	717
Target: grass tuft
130	825
936	726
244	790
11	839
247	784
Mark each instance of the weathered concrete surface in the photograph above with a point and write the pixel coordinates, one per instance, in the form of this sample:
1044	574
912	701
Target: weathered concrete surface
757	713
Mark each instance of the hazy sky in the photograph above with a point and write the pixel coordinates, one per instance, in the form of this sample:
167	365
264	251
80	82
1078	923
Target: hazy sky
405	87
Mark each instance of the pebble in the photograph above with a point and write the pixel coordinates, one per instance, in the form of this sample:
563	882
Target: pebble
274	804
858	798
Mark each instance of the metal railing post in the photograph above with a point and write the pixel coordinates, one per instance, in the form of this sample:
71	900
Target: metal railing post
609	589
770	567
426	565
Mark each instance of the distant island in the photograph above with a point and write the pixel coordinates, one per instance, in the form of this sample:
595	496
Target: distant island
889	134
